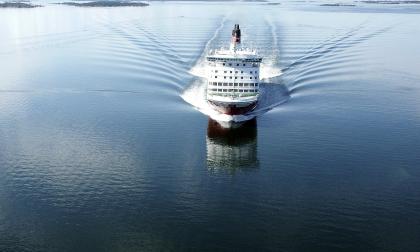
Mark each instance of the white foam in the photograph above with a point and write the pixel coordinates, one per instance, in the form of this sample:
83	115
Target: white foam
271	95
195	95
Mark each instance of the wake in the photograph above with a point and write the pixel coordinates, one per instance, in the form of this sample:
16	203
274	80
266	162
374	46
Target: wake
271	94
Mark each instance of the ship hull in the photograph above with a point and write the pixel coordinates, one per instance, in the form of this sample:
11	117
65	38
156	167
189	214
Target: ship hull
233	108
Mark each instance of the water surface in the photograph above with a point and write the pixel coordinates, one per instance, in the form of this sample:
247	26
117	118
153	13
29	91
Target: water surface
104	144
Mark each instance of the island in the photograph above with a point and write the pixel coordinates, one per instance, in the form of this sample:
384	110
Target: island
18	5
106	4
338	4
392	2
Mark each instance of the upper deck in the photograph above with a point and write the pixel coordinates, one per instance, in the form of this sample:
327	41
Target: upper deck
225	55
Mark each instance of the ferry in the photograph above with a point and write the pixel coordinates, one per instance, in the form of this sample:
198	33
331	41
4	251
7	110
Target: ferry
233	77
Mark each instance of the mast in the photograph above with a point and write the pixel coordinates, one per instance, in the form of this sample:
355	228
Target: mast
236	38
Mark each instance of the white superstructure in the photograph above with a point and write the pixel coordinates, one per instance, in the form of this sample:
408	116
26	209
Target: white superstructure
233	77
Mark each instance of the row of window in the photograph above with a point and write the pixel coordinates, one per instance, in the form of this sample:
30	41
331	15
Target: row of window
218	59
230	84
251	72
234	90
236	77
237	64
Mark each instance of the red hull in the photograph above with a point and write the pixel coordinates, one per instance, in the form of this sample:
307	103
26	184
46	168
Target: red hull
232	109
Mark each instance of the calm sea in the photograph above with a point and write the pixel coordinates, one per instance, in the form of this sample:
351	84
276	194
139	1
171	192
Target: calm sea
106	143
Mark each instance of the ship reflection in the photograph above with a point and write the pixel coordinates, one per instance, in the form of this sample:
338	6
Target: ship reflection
232	149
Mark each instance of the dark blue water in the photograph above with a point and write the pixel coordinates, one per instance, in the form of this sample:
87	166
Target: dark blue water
104	145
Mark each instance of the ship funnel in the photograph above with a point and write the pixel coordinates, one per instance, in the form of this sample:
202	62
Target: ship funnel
236	37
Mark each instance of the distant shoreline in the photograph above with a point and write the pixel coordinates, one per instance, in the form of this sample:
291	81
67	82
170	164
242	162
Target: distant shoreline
338	4
106	4
391	2
19	5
